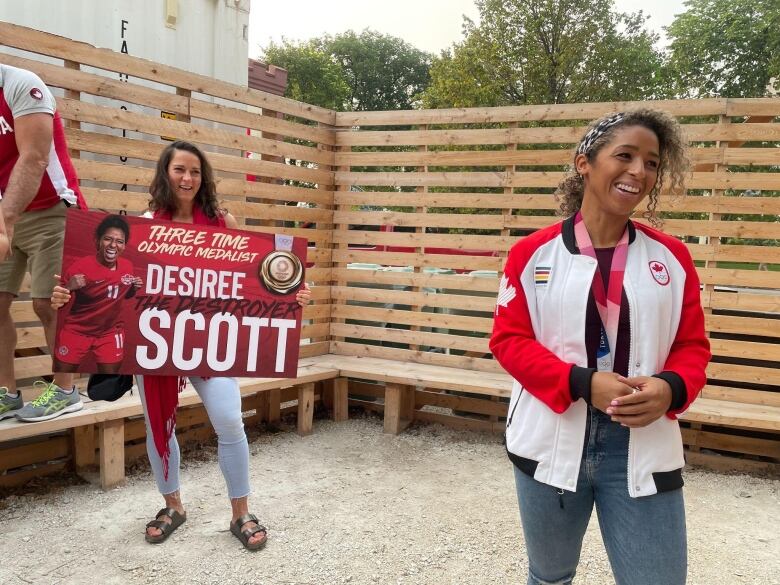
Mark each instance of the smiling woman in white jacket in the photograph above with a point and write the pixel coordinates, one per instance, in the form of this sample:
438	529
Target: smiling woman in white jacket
599	322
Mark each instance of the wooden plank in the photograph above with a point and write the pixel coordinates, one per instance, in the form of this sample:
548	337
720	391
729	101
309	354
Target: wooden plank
460	422
745	349
145	150
402	336
414	240
733	443
427	259
531	113
742	278
22	477
305	408
740	373
101	85
690	203
406	372
538	157
22	455
459	282
56	46
479	324
744	301
427	298
32	367
733	414
728	253
271	125
541	135
549	179
460	403
731	464
741	325
112	453
28	337
763	397
111	117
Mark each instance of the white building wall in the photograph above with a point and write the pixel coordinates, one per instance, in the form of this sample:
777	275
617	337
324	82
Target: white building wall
207	37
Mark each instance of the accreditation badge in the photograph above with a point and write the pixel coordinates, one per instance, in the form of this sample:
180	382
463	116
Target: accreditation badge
603	355
281	271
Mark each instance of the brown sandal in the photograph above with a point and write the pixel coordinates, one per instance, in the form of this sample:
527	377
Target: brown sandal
244	534
165	528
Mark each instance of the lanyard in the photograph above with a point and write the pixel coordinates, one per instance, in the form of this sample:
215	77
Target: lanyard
607	302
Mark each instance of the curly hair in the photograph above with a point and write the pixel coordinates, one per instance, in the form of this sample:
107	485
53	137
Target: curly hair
113	221
672	167
163	198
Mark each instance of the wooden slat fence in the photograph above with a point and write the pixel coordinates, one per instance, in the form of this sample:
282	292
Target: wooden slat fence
410	214
428	203
294	197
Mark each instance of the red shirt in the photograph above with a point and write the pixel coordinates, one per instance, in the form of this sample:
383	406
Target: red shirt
96	308
23	93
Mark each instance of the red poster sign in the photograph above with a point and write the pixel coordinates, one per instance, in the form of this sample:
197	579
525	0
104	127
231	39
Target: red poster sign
158	297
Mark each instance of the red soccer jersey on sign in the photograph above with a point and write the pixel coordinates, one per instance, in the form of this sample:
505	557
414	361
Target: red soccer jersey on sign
97	307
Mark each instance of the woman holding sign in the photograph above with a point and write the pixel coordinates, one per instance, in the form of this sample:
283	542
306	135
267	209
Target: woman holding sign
599	322
183	190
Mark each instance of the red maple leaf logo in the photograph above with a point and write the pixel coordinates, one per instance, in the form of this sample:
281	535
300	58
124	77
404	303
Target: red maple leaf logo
657	268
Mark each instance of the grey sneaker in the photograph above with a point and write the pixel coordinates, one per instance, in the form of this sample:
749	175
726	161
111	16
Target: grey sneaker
52	403
9	405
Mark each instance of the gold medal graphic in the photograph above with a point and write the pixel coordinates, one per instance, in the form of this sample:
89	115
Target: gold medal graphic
281	272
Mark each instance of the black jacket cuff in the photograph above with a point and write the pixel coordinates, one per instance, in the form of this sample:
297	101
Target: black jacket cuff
579	383
679	393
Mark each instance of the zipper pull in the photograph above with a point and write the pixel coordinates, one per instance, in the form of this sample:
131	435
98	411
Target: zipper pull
560	497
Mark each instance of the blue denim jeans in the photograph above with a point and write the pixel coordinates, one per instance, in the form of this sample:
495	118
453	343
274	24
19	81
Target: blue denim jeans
644	537
222	399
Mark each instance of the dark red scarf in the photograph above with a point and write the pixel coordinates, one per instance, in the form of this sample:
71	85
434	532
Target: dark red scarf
162	392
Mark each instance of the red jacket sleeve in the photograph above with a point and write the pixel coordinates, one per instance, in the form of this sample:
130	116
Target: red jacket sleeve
690	350
514	343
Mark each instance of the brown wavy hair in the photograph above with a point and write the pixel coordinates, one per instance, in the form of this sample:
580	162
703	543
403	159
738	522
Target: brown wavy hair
671	169
163	198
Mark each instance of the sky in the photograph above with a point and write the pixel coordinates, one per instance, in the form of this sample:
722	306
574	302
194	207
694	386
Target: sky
430	25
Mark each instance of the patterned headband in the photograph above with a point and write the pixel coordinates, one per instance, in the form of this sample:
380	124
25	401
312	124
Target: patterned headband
597	132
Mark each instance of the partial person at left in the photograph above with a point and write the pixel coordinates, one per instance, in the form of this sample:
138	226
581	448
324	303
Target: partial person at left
37	184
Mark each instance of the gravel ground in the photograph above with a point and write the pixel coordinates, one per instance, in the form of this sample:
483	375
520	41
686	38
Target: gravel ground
350	504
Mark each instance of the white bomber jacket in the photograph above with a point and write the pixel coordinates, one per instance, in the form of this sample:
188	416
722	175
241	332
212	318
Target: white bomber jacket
539	338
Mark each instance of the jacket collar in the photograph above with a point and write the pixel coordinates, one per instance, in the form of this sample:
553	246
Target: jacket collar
567	233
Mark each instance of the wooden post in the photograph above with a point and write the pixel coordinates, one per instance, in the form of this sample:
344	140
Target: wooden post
399	407
274	405
73	95
83	444
305	408
340	399
112	453
259	405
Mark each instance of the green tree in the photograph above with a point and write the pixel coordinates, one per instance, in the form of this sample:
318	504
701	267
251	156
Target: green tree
383	72
728	48
546	52
312	75
350	71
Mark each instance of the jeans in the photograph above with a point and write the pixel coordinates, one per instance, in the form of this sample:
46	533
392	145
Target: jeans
644	537
222	399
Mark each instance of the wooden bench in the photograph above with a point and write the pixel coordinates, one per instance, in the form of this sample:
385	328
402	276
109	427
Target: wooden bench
110	417
407	387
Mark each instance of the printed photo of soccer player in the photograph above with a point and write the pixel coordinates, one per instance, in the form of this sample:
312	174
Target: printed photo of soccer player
97	286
